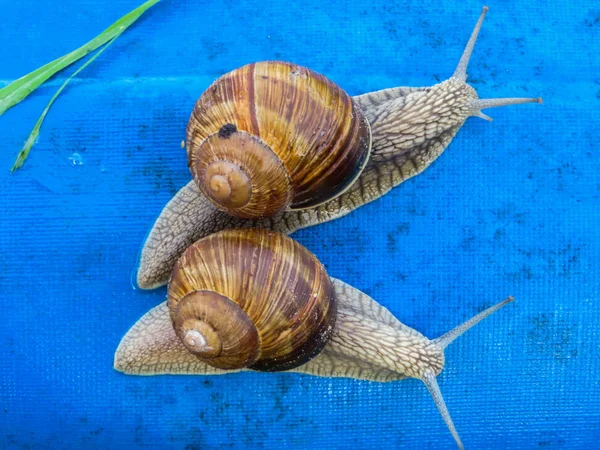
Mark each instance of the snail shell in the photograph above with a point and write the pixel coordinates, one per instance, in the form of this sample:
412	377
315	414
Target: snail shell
251	298
273	135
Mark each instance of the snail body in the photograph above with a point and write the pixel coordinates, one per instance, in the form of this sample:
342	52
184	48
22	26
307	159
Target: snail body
407	129
254	299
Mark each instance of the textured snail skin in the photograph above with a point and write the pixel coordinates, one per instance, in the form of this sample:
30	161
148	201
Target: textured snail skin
151	346
367	343
410	128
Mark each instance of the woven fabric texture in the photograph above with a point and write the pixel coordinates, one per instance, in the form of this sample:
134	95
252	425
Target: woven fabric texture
511	208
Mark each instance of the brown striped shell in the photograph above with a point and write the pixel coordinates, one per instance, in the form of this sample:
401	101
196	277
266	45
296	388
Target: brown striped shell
251	298
274	135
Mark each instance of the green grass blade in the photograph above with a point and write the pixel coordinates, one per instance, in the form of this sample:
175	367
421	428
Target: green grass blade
36	129
19	89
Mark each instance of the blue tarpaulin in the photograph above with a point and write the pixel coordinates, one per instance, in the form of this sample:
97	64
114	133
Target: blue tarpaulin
511	208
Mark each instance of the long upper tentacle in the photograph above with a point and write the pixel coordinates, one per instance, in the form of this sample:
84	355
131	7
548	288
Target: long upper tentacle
461	69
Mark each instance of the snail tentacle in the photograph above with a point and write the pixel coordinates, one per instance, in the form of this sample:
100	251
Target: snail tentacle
430	381
483	103
460	73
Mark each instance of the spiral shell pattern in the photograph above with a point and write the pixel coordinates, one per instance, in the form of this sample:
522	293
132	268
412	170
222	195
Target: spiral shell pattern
313	127
251	298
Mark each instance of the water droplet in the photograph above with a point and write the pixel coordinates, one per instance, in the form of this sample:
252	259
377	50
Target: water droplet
133	278
76	159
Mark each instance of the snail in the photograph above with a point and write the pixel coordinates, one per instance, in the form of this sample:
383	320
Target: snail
320	153
255	299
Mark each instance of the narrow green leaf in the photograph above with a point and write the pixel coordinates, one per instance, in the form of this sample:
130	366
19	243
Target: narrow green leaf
36	129
19	89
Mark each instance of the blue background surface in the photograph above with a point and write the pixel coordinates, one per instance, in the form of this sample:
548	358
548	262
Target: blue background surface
511	207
